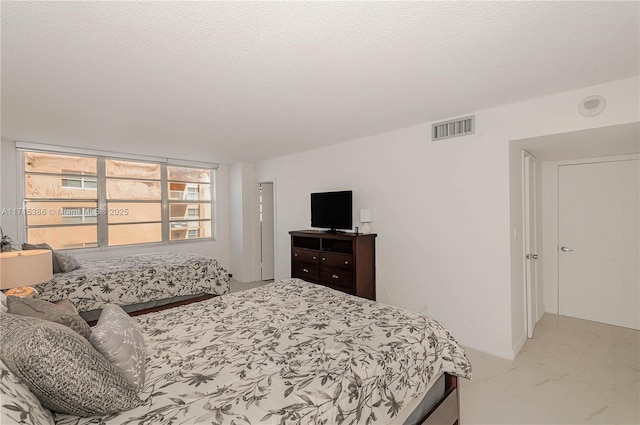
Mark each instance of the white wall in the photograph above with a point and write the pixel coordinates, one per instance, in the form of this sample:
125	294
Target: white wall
443	210
219	248
243	222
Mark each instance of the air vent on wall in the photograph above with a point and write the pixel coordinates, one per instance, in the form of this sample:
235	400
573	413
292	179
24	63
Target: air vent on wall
453	128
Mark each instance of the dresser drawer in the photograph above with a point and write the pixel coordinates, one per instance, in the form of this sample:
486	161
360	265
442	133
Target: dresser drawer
337	277
305	271
305	255
331	259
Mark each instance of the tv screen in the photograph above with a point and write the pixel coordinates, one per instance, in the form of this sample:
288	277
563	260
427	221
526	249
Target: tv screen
332	210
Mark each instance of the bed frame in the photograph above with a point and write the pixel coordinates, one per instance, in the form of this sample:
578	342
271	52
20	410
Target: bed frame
447	410
164	306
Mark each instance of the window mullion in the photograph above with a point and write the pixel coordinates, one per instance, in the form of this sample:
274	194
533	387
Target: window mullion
214	205
102	219
166	227
20	168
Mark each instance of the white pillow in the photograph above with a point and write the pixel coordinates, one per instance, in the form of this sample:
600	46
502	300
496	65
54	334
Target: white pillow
117	337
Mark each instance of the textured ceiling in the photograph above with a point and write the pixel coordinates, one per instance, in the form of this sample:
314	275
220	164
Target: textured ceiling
244	81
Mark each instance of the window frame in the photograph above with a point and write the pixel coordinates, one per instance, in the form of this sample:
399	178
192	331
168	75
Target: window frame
102	223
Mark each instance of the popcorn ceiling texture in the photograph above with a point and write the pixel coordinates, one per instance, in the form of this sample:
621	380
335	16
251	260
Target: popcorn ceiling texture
245	81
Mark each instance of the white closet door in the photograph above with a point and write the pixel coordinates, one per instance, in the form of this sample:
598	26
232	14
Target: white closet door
267	258
530	242
599	242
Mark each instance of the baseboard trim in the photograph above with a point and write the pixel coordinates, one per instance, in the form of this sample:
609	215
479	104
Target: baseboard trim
518	345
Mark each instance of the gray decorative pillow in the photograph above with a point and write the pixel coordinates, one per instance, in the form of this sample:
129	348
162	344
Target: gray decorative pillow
62	369
67	305
19	405
66	261
42	309
117	337
9	244
54	258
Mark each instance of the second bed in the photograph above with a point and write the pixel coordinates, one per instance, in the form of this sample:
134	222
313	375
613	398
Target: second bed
136	282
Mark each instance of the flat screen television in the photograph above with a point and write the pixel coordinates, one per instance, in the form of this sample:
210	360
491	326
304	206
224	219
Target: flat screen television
332	210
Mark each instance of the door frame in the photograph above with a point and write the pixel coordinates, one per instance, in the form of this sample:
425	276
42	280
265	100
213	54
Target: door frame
259	230
550	231
531	275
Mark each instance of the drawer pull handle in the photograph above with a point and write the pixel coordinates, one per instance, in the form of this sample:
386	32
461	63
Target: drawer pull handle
315	258
295	255
305	270
324	259
335	276
346	262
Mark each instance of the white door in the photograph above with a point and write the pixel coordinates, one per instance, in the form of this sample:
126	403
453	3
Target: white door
599	227
265	209
530	244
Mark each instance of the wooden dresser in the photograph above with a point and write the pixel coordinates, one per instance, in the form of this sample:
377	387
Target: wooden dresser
342	261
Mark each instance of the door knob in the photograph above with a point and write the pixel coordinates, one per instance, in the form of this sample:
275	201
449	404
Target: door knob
565	249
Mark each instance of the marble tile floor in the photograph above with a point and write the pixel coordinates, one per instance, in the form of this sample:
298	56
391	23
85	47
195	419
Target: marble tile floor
572	371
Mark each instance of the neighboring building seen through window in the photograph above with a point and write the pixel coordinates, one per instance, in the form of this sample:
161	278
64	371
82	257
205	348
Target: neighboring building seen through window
77	201
134	202
189	202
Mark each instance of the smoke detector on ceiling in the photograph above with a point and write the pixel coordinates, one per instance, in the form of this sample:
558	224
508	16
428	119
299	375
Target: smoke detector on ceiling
592	105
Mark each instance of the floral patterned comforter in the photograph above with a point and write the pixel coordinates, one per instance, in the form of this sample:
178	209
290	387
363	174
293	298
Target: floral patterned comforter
288	352
136	279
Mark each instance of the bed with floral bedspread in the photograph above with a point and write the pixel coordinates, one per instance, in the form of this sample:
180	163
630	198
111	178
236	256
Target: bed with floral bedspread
136	279
288	352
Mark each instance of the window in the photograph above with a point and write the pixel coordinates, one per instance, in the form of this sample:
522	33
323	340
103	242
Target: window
89	201
133	202
79	215
192	192
193	213
80	182
53	187
189	202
